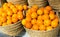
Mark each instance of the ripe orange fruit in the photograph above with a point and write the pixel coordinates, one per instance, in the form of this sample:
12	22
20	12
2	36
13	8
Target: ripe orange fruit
35	6
14	10
42	9
24	22
47	22
39	22
33	21
4	24
28	18
4	14
12	6
29	11
28	25
54	24
20	15
3	19
9	12
56	19
34	15
39	18
52	12
1	11
20	7
25	7
45	16
49	28
46	11
35	27
9	21
42	28
48	8
39	12
9	4
33	10
52	16
14	20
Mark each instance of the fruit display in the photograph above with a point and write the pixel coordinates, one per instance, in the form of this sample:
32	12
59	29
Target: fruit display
42	19
10	13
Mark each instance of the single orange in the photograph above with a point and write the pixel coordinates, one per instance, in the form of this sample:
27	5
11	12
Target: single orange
47	22
9	17
39	18
28	25
28	18
9	21
42	9
24	22
52	16
39	22
54	24
42	28
4	14
34	15
33	10
33	21
48	8
35	27
46	11
39	12
45	16
20	15
49	28
25	7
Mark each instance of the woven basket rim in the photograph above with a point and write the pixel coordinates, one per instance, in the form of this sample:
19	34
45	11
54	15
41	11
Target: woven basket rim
43	31
11	24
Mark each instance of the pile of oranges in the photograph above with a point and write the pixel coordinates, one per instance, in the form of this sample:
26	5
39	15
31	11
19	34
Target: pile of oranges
10	13
42	19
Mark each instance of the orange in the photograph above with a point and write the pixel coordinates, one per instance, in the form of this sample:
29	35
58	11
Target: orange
39	12
9	17
42	9
35	6
39	22
20	15
9	12
34	15
48	8
46	11
1	11
56	19
28	25
14	10
47	22
45	16
39	18
9	21
33	10
52	12
14	20
12	6
20	7
29	11
4	24
33	21
25	7
49	28
35	27
9	4
42	28
54	24
24	22
14	16
4	14
3	19
51	15
28	18
5	5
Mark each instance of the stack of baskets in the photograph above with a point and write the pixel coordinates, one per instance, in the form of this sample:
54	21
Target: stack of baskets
13	29
18	1
55	4
40	3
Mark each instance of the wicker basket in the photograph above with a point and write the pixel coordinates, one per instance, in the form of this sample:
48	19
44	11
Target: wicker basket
34	33
40	3
18	1
13	29
54	3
